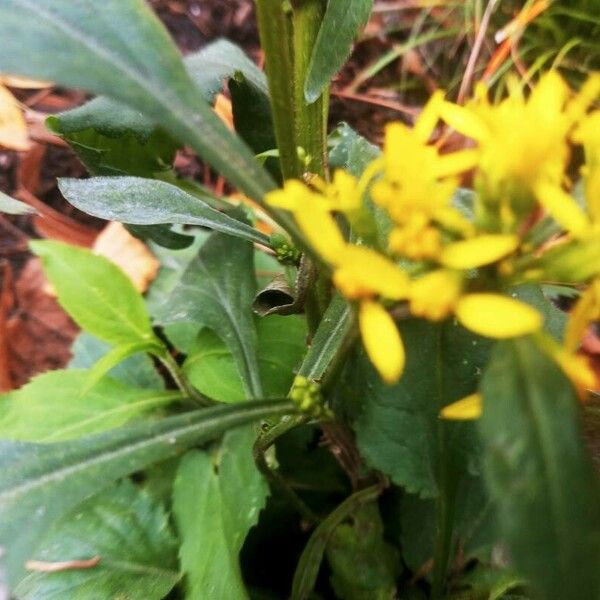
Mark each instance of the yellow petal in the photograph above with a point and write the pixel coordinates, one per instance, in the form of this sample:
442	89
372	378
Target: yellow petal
363	272
563	208
465	121
381	340
479	251
456	162
429	117
577	368
13	129
321	232
467	409
496	316
583	313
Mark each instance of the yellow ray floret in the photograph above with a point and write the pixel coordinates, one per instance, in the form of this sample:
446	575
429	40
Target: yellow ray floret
496	316
476	252
381	340
466	409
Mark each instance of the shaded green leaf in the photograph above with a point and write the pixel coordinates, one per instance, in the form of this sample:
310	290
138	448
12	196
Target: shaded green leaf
212	369
137	370
361	541
350	151
95	292
131	535
42	482
113	139
56	406
149	202
398	427
124	53
216	291
221	60
539	474
343	21
217	499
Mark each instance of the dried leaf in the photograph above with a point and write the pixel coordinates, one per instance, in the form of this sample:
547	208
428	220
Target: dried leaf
120	247
13	129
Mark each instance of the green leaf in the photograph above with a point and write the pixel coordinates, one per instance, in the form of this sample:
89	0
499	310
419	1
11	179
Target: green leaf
212	370
361	541
117	355
219	61
131	535
148	202
217	500
137	370
56	406
350	151
312	555
343	21
95	292
42	482
333	332
539	473
555	320
10	206
398	427
124	53
113	139
217	291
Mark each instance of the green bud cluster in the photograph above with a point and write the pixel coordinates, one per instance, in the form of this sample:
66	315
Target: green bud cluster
285	251
307	395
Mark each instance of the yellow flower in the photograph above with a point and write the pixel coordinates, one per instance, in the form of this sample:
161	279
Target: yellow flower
478	251
496	316
523	142
381	340
434	296
312	215
416	240
418	181
588	134
363	273
583	314
466	409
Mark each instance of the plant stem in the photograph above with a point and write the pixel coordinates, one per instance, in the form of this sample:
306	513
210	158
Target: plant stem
276	39
265	440
182	381
311	119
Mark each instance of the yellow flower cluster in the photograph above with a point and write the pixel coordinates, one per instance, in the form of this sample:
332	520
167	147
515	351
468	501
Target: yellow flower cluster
428	255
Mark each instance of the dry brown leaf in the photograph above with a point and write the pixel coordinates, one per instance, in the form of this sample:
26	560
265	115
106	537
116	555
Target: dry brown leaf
127	252
23	83
13	129
224	110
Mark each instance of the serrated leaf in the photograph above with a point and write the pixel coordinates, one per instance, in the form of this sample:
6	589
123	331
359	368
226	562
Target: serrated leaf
215	507
212	369
137	370
341	24
221	60
539	474
217	291
42	482
398	427
149	202
128	531
127	55
10	206
95	292
56	406
113	139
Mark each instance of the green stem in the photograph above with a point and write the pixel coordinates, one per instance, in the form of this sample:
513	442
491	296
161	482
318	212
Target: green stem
182	381
265	440
276	39
311	119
